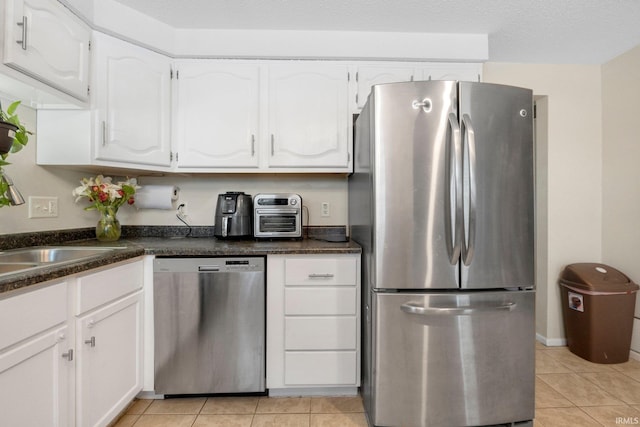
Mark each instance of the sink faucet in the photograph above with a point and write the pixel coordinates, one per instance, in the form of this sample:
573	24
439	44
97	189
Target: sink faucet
13	194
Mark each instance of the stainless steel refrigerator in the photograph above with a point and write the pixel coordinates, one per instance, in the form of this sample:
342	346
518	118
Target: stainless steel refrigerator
442	202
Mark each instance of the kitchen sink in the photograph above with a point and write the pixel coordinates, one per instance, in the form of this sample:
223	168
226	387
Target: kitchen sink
16	260
14	268
51	254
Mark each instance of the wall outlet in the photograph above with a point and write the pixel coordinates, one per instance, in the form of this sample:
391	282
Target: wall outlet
182	209
43	207
325	209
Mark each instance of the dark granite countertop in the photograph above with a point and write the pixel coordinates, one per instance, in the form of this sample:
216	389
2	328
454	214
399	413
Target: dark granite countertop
210	246
134	245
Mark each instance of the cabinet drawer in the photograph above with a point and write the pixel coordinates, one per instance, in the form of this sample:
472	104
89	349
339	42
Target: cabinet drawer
107	285
320	333
320	368
33	312
318	301
318	271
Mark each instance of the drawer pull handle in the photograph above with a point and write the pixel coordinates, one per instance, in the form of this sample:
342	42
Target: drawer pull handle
68	355
91	341
321	276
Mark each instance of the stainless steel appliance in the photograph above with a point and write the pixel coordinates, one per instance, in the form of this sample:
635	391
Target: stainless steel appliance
209	321
234	215
442	202
277	216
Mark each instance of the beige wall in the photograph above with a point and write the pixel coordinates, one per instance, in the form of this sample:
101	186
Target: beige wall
33	180
620	158
573	172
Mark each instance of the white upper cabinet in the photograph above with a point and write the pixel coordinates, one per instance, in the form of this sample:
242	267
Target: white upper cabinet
133	102
46	41
217	114
308	118
369	75
470	72
261	116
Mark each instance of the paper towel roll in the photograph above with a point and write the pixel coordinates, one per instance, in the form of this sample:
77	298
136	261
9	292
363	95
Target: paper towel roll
156	197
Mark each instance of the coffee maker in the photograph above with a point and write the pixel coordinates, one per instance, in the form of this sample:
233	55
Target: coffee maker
234	215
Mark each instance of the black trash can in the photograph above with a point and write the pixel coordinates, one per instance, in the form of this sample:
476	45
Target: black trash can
598	303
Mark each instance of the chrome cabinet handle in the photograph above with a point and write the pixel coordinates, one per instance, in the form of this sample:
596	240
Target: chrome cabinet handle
469	146
23	24
91	342
253	145
104	133
321	276
455	176
417	308
272	145
68	355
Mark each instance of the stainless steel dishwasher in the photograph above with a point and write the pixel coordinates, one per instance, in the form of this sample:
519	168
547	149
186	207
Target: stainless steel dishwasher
209	322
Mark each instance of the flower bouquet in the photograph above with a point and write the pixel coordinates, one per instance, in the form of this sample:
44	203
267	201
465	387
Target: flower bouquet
106	197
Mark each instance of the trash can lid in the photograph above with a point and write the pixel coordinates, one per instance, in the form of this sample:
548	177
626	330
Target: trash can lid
596	278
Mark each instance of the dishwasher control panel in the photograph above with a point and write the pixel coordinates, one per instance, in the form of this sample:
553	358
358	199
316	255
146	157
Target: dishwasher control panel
207	265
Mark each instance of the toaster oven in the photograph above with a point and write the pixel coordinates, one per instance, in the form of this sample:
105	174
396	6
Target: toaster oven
277	216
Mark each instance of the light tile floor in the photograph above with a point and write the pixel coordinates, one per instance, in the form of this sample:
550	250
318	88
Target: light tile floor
570	391
246	412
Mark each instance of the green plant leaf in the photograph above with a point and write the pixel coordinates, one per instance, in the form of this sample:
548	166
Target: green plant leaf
12	107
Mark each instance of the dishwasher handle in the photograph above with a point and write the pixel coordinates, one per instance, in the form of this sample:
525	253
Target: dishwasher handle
208	268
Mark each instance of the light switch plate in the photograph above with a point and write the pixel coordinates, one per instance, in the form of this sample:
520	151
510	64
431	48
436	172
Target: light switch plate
43	207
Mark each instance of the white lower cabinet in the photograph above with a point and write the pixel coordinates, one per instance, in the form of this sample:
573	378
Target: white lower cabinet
108	342
35	380
36	359
71	351
313	321
109	372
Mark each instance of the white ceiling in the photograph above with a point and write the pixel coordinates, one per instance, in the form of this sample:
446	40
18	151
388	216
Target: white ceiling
533	31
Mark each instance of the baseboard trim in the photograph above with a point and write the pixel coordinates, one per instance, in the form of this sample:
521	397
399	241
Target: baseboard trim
314	391
551	342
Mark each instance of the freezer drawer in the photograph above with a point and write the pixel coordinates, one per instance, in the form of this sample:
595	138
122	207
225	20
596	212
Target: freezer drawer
452	359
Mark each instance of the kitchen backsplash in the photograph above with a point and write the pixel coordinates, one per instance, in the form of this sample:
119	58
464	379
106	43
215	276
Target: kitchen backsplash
200	192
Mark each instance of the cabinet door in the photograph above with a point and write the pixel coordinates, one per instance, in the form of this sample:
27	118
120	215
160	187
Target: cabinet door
36	382
217	114
133	88
109	360
460	72
308	125
368	76
43	39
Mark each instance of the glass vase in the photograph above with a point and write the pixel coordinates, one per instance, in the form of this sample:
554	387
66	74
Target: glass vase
108	228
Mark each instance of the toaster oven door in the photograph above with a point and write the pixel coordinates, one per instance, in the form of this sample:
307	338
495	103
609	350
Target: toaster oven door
272	223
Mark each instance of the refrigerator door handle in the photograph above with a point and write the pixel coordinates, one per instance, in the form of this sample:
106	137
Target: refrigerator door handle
417	308
455	190
469	150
